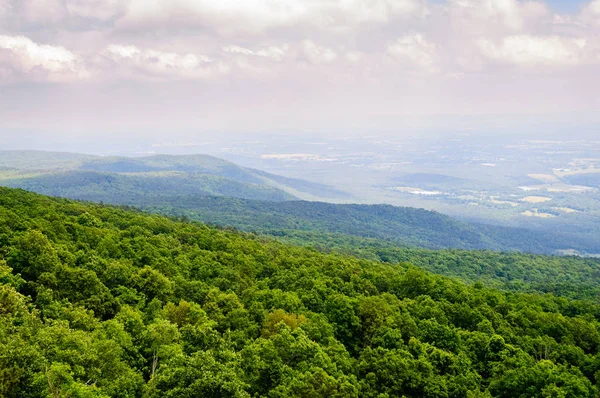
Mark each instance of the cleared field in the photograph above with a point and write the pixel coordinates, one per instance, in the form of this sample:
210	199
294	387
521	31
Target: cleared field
566	210
543	177
556	187
562	173
502	202
418	191
536	199
535	213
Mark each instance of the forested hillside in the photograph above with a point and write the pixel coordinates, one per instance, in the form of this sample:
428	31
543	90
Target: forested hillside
128	188
568	276
101	302
115	179
317	222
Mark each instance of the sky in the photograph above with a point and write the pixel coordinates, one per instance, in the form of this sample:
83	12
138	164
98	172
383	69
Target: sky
177	68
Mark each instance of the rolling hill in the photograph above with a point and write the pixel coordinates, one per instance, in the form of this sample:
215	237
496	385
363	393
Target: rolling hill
215	191
324	224
108	178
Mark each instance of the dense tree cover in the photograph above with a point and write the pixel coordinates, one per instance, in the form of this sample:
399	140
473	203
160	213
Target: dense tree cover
131	188
587	179
97	301
399	225
569	276
119	179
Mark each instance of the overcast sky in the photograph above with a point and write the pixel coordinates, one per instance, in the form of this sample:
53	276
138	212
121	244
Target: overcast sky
184	66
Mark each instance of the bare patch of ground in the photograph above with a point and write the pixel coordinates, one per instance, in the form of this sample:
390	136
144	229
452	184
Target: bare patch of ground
536	199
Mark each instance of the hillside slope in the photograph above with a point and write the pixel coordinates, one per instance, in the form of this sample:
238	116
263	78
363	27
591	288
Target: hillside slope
317	222
131	188
101	302
46	172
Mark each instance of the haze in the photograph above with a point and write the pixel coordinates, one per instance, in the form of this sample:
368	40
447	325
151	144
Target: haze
75	69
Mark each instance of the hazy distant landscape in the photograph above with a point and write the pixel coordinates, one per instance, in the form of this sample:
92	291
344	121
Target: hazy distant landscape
203	188
507	181
501	179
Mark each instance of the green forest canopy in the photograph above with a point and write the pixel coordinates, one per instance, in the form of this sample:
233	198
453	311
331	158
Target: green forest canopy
96	301
318	221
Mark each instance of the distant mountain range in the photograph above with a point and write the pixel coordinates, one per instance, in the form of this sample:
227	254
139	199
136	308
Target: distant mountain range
216	191
118	179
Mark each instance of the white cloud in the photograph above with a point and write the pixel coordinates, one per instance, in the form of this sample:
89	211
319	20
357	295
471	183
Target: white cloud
152	63
354	56
234	17
223	16
285	49
31	61
103	10
275	53
416	50
38	12
591	13
259	62
316	54
486	15
379	11
6	8
526	50
594	7
79	15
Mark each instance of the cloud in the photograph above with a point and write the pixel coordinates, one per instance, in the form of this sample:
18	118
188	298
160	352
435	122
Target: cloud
199	39
591	13
23	59
231	17
102	10
415	50
593	7
6	8
52	15
368	54
275	53
28	13
149	63
476	16
261	61
223	17
377	11
526	50
316	54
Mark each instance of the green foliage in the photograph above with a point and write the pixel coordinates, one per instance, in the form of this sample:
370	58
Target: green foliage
97	301
128	189
132	180
333	225
273	320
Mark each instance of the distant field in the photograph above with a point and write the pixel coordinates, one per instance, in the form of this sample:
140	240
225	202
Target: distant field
566	173
556	187
536	199
544	177
536	213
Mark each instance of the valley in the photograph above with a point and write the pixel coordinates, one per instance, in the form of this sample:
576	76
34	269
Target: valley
212	190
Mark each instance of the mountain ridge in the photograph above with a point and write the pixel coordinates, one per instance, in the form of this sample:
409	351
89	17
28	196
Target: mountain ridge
37	166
